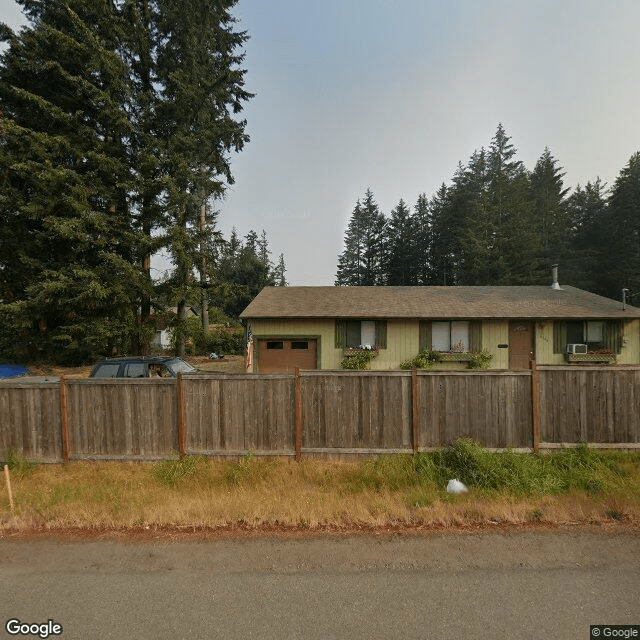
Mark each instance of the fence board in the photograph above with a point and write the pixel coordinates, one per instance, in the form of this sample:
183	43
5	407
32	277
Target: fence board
343	412
112	421
30	420
493	409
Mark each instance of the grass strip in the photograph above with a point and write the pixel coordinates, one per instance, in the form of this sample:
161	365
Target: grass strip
572	485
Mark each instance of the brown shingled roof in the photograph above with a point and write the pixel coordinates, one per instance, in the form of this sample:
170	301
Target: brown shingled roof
433	302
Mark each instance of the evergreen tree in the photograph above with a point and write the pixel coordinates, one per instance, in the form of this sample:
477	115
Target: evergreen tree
199	92
478	231
399	259
443	245
251	241
549	196
263	253
279	273
422	243
66	262
360	264
516	249
620	236
586	208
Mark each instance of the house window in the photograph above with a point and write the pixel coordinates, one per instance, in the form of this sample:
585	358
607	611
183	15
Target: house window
443	335
594	331
355	333
275	344
299	344
597	334
449	335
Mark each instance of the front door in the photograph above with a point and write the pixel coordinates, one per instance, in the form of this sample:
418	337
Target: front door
283	355
520	344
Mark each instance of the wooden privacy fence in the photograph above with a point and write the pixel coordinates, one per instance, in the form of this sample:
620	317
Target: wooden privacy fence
319	413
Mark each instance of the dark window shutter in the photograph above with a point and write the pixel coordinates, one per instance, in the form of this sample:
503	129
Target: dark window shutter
475	336
424	335
559	336
353	333
613	335
341	334
381	334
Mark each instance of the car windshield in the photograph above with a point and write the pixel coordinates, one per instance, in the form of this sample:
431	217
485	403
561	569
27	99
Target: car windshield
176	365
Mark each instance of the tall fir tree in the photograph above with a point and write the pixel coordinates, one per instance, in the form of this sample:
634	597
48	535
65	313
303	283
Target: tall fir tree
516	250
586	208
440	246
422	244
478	232
279	272
200	91
399	255
621	234
551	209
65	182
360	264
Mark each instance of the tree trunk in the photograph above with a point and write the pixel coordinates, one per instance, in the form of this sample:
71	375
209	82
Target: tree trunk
203	274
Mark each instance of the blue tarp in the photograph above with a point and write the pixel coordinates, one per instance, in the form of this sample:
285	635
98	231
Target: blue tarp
12	370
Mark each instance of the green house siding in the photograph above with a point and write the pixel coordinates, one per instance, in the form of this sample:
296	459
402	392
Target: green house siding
623	336
495	333
404	337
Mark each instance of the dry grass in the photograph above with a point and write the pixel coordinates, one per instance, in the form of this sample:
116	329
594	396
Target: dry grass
203	493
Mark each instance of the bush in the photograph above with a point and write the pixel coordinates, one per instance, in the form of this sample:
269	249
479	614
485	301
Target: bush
224	340
480	360
424	360
358	359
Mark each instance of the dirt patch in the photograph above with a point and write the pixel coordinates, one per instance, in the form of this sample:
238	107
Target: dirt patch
153	533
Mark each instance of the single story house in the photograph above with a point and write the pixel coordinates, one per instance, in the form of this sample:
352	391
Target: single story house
314	327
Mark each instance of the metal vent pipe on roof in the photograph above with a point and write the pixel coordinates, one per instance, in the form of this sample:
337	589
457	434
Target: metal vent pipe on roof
554	274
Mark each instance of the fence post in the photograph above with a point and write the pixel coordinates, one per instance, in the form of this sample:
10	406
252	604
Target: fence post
298	415
182	440
415	417
535	405
64	419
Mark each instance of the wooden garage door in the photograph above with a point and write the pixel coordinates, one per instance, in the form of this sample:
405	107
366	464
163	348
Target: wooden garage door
284	355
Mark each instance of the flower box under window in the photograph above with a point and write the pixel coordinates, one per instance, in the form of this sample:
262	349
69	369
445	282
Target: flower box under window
454	356
606	358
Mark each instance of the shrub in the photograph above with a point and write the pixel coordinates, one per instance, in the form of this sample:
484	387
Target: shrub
479	360
424	360
358	359
224	340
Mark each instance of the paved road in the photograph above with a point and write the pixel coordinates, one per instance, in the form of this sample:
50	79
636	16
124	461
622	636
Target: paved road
530	585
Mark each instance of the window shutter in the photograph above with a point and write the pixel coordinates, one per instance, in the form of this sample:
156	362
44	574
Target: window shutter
559	336
613	335
381	334
341	334
475	336
424	333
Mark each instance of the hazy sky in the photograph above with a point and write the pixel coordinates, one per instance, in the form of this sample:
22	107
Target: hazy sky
391	95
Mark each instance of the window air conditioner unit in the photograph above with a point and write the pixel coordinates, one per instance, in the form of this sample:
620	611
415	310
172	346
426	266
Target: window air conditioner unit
576	348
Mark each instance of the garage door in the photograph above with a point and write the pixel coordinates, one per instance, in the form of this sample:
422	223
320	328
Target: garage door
284	355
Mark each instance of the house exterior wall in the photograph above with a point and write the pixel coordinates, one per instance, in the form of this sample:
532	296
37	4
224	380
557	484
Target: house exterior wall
403	342
494	333
629	353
